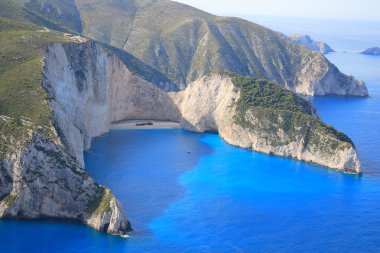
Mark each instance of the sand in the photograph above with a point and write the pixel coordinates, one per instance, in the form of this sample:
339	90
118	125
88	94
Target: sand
131	124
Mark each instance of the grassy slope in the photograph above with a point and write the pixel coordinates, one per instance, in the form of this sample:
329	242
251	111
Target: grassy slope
21	94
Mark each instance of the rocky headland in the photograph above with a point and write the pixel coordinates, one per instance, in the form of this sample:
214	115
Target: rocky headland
307	41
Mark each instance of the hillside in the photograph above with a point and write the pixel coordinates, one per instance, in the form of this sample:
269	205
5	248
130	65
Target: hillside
184	43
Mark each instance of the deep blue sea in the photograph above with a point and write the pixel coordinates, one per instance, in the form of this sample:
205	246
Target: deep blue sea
221	198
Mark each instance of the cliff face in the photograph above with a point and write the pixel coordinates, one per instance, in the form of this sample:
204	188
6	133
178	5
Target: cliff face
40	179
211	104
90	89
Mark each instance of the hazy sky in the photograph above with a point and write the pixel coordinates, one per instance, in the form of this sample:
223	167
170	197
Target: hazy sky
340	9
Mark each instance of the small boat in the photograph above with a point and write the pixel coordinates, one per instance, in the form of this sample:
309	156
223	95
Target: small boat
145	124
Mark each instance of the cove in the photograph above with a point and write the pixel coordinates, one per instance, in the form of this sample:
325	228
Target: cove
223	199
232	199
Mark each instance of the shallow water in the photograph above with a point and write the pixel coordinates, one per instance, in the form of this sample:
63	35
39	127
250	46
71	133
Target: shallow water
221	198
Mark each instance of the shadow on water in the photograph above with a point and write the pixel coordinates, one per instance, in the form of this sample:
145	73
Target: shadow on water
142	168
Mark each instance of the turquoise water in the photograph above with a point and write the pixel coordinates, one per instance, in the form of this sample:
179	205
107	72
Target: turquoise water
224	199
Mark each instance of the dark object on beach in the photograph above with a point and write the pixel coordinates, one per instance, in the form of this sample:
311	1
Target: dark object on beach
145	124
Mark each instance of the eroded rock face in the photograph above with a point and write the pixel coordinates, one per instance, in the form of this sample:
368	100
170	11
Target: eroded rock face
41	180
90	89
330	80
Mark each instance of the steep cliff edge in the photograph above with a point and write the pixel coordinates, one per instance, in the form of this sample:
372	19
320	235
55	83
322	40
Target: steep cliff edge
39	178
90	88
260	115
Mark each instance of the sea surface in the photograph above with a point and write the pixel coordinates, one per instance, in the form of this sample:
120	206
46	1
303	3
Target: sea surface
220	198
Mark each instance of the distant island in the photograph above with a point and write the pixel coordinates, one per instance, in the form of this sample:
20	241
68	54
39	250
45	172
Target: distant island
306	40
372	51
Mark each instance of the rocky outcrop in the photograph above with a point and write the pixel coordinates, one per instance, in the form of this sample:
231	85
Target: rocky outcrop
316	46
372	51
336	83
41	180
209	104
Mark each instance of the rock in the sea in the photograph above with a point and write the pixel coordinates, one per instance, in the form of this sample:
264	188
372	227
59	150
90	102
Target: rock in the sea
306	40
372	51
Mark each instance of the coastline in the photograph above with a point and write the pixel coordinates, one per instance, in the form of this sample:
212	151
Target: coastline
155	124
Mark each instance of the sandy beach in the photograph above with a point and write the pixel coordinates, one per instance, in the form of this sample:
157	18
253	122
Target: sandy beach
136	124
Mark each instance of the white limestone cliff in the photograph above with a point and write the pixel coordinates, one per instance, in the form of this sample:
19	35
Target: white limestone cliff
41	180
90	89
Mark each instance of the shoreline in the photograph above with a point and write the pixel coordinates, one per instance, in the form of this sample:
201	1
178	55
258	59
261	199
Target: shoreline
153	124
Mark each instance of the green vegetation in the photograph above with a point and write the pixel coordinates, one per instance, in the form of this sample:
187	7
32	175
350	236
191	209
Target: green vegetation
263	93
17	11
278	108
21	93
23	101
101	203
